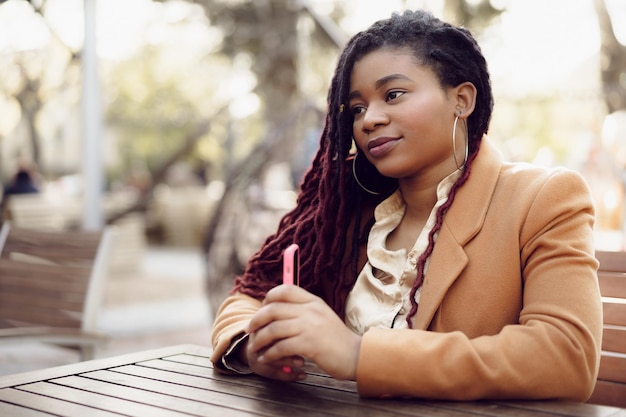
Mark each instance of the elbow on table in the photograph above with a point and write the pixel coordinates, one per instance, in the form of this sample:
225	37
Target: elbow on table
588	384
583	381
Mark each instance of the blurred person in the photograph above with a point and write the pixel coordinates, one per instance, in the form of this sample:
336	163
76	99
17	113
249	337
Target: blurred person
430	266
21	183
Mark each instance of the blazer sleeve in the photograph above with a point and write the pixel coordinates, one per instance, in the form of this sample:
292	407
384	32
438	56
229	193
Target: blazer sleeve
231	318
551	352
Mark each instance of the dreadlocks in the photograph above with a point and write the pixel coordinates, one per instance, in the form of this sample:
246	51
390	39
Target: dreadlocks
330	203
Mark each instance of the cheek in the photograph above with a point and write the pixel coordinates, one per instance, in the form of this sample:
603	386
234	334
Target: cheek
356	128
359	137
425	123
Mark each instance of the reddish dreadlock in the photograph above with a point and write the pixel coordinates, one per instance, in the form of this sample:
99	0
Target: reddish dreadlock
330	200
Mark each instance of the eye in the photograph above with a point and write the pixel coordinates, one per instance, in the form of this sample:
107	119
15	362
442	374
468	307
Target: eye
394	94
356	110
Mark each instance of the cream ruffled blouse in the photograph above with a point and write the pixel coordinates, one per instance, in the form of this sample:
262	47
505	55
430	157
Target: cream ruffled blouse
380	296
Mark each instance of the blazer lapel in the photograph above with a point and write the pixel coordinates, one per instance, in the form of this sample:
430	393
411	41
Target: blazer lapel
463	221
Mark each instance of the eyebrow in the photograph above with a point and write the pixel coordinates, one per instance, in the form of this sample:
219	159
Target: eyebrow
379	83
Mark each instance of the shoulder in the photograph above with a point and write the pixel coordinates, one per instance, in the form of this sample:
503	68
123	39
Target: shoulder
525	170
490	167
525	178
534	196
538	197
493	177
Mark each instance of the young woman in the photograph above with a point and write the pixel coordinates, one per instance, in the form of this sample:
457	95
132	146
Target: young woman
430	267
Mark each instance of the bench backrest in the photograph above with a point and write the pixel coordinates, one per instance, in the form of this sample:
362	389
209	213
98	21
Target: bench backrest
41	211
611	385
50	278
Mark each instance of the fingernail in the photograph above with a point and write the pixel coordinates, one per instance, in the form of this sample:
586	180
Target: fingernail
287	369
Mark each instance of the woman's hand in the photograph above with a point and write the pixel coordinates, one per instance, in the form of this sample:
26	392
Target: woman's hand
285	369
294	324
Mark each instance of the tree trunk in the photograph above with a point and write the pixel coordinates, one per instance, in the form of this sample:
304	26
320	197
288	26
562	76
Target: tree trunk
30	104
613	61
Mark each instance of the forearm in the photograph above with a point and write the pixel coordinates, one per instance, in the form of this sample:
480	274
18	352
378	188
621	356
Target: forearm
524	362
230	321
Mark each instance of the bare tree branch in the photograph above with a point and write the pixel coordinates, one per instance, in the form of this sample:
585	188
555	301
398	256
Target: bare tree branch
160	172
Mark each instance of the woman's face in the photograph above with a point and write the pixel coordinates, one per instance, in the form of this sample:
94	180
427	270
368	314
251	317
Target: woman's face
403	117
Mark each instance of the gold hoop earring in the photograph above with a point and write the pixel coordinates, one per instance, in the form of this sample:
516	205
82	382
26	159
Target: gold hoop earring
357	178
456	119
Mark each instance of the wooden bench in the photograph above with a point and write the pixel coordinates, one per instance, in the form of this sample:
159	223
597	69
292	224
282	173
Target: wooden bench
52	212
41	211
51	286
611	385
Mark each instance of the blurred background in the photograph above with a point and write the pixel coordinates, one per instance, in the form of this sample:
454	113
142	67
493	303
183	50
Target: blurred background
201	117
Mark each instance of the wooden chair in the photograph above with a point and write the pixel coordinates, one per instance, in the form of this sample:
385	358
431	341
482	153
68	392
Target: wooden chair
611	385
51	286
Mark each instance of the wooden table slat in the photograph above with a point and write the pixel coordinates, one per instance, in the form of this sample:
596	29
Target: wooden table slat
18	409
324	381
53	406
340	403
96	400
167	396
197	360
76	368
562	408
312	396
269	400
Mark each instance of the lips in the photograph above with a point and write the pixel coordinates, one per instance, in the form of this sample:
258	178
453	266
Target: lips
382	145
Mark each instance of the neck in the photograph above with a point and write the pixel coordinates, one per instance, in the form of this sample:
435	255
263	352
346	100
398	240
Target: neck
419	200
420	194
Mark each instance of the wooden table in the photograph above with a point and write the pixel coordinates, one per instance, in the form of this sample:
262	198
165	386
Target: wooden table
180	381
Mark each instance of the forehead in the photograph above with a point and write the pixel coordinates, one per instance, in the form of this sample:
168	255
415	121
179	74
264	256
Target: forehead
380	63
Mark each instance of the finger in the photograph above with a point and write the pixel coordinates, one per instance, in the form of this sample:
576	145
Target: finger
272	333
286	373
284	370
288	294
278	352
288	364
270	313
293	362
290	374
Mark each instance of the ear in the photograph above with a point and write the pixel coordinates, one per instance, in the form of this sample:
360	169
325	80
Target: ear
465	96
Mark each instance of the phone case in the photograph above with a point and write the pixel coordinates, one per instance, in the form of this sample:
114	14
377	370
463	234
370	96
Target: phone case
291	265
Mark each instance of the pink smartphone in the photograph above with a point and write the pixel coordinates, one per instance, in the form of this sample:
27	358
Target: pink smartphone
291	265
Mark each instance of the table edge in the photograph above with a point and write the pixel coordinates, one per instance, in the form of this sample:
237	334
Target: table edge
101	363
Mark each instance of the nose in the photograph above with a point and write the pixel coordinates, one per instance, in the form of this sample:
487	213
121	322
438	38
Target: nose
374	117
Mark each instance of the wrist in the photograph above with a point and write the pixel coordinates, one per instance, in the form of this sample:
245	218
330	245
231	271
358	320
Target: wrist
233	360
356	349
241	352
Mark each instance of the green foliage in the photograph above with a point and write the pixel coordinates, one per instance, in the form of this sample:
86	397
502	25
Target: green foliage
154	100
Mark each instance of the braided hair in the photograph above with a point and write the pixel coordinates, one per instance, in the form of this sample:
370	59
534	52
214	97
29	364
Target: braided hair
326	221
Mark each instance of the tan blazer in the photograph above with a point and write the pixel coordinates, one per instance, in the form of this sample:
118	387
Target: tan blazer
510	305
